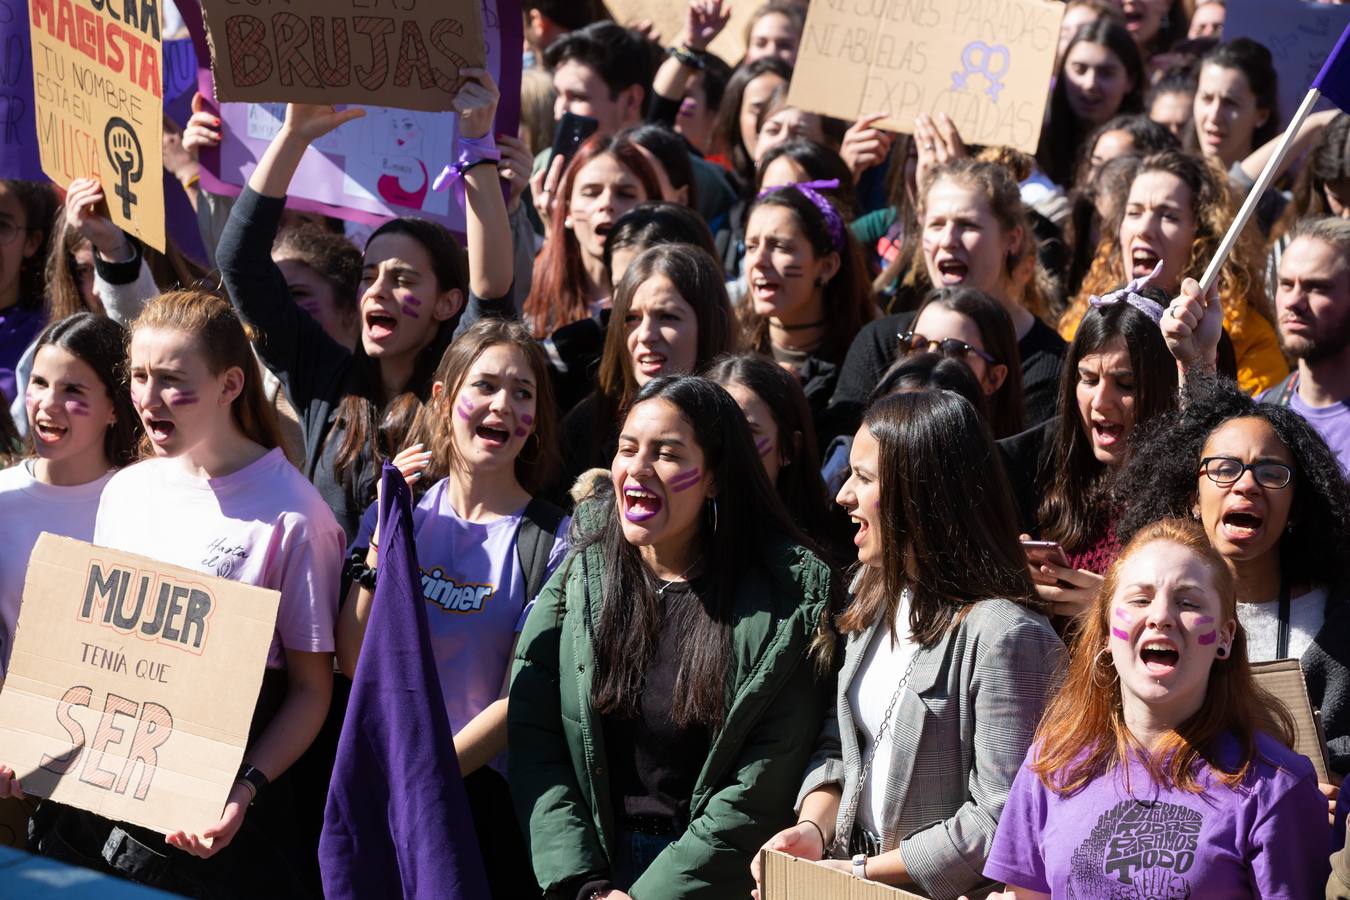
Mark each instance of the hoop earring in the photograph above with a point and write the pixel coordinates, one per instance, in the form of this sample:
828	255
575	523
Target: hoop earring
713	502
1097	666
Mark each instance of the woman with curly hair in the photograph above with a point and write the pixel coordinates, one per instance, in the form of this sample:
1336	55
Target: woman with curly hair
1176	212
1273	502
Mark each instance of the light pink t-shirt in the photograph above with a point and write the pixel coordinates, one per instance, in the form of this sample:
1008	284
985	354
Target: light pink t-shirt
263	525
27	508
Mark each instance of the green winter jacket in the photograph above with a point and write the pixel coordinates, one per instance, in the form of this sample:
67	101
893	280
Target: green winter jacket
745	791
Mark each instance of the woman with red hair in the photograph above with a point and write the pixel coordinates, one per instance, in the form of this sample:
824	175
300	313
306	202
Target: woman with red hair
1161	769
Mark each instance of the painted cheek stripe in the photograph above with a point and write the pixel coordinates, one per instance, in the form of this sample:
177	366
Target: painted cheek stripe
1124	616
184	398
410	312
1205	620
521	432
762	445
1124	636
1209	638
686	480
527	419
78	408
465	410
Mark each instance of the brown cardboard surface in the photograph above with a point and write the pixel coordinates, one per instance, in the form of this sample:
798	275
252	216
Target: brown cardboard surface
404	54
104	711
667	16
789	878
1284	679
99	103
985	63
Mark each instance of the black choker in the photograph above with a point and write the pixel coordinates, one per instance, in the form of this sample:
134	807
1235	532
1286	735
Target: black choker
802	327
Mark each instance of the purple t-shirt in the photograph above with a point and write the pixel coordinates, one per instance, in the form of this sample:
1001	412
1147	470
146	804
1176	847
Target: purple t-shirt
18	328
1332	423
1267	838
475	593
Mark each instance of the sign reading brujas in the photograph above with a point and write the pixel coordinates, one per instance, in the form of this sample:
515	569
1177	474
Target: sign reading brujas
373	168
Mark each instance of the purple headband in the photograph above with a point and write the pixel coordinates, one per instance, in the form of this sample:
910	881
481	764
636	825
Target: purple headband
1130	294
809	190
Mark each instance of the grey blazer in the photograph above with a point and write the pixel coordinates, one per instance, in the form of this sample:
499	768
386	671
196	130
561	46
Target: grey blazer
961	731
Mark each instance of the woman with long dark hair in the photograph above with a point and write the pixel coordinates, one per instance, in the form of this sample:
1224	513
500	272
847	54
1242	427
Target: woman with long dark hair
1117	376
780	422
671	316
735	131
81	429
417	289
1099	77
1162	768
948	659
669	682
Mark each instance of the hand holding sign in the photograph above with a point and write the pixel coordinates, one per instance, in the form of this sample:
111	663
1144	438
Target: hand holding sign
476	103
218	836
1192	325
311	121
87	213
9	785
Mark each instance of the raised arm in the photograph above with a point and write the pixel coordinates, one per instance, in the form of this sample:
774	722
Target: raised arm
488	229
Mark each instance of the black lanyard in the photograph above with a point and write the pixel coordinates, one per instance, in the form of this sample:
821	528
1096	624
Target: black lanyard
1282	638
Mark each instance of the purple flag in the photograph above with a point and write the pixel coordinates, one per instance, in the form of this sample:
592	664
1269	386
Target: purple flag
398	822
1334	79
18	125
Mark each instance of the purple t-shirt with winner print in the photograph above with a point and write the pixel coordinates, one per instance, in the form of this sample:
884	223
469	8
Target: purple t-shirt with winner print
475	593
1267	838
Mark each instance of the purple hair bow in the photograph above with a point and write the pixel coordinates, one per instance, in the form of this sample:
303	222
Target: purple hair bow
1130	294
811	191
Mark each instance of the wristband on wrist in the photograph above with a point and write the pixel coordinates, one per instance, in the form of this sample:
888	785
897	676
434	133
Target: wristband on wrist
469	153
253	779
688	56
820	831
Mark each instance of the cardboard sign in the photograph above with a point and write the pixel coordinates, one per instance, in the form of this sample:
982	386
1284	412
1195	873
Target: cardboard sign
1284	679
404	53
985	63
375	167
132	684
789	878
668	20
1299	36
100	107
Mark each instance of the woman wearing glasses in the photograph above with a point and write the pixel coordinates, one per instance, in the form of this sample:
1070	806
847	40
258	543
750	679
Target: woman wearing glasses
1272	499
969	325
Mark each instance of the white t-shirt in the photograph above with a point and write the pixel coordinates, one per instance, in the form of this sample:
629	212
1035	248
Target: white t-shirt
27	508
870	693
264	525
1262	623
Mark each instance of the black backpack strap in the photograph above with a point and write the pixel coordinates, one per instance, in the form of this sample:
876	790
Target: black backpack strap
534	543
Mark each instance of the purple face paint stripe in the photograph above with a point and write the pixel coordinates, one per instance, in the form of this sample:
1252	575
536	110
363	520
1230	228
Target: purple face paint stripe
1124	616
527	419
1209	638
1205	620
762	445
184	398
410	312
465	410
411	301
79	407
1123	635
521	432
686	480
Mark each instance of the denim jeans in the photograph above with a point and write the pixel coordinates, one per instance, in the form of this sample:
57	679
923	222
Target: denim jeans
635	853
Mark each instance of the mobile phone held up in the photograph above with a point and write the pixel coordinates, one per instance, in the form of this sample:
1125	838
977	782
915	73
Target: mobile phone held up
572	132
1039	552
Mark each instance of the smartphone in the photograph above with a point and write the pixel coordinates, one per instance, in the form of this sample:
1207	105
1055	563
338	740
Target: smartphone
572	131
1045	551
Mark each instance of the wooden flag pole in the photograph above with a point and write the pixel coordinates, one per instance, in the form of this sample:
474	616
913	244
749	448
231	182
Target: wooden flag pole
1258	191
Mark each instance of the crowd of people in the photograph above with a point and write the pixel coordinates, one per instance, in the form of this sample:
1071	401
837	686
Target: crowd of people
780	482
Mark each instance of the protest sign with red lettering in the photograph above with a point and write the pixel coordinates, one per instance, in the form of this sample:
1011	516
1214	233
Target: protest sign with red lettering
132	684
985	63
99	101
406	53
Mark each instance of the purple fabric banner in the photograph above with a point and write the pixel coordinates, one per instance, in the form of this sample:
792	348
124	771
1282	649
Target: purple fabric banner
18	126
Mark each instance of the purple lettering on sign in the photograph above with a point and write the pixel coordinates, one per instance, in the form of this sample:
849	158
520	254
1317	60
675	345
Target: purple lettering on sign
685	480
1123	635
1210	638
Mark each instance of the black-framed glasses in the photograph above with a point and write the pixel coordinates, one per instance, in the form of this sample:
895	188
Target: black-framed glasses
1225	470
912	342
